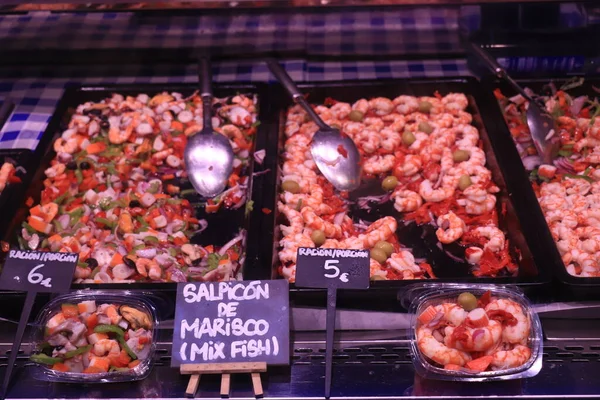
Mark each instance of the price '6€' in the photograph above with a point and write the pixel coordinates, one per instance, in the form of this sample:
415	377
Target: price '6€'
38	271
340	268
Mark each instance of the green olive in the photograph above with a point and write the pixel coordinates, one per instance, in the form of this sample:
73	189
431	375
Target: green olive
379	255
356	116
464	182
318	237
461	155
378	278
385	246
389	183
467	301
425	127
408	138
290	186
425	107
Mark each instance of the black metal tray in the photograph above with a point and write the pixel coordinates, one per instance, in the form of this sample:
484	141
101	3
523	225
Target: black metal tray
222	225
486	118
544	235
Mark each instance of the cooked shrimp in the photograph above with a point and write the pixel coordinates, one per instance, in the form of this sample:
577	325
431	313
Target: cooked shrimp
149	268
361	105
379	164
439	352
505	359
380	230
406	200
430	194
455	101
69	146
290	246
451	228
296	223
381	105
390	139
403	262
375	269
408	165
406	104
463	338
105	347
494	235
313	221
518	333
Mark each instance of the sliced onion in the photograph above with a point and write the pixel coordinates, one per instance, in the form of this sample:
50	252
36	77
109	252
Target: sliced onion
21	169
121	249
146	253
435	320
452	256
438	336
203	224
339	218
64	220
578	104
563	165
532	162
477	334
259	156
231	243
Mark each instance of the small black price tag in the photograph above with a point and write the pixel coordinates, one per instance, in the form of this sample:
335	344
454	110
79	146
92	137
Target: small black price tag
231	322
38	271
332	268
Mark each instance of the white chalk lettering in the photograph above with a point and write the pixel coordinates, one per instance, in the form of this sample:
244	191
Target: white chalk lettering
254	348
223	291
224	327
208	351
227	309
332	253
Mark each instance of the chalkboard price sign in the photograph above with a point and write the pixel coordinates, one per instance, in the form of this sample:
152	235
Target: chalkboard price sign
223	322
38	271
339	268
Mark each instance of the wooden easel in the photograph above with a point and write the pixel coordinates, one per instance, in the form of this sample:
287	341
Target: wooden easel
225	370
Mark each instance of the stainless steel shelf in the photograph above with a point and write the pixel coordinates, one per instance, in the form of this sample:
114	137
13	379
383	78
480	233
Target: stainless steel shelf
367	364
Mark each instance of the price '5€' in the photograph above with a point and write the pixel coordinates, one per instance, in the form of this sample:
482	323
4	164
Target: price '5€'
38	271
324	268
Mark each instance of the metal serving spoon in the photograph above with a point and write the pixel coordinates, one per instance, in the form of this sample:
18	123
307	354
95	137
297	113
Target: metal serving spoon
540	122
208	155
334	153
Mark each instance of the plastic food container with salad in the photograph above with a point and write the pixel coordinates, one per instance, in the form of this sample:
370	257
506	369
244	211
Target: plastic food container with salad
95	337
474	333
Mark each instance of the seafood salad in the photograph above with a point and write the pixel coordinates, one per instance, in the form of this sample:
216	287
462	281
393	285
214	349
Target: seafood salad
427	156
117	194
474	335
92	338
569	190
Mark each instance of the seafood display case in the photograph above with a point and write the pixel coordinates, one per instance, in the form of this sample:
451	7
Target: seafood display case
478	288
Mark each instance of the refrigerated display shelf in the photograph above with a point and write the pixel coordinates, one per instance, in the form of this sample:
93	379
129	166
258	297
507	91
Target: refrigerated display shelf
367	364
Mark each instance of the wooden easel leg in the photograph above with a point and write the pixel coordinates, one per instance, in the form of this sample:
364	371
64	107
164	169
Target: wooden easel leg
257	385
192	386
225	385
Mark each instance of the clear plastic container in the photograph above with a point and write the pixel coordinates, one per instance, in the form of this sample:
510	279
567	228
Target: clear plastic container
418	297
119	298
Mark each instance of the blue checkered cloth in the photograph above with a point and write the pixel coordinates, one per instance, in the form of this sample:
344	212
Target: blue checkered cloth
36	98
330	32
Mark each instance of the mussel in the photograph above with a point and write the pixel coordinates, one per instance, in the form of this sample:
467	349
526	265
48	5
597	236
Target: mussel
136	318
